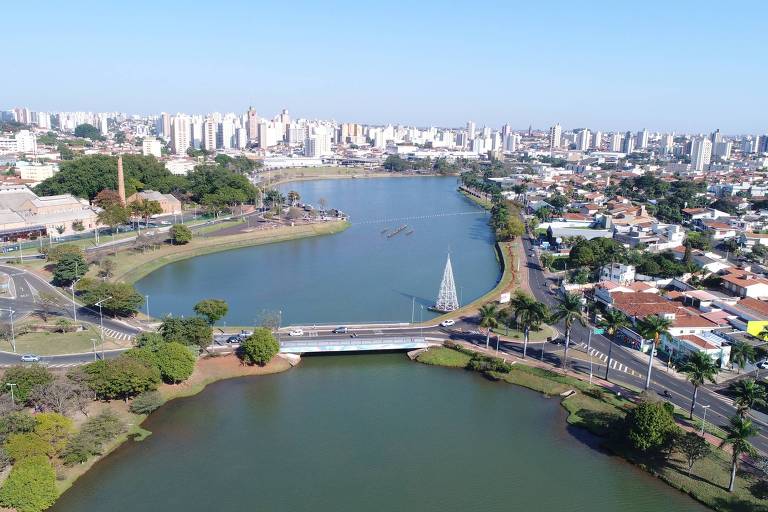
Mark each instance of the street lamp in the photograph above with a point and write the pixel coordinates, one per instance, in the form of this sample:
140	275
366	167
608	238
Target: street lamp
704	419
12	385
74	304
13	332
147	299
101	323
93	341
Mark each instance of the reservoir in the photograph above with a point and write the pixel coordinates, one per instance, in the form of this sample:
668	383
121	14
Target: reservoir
365	432
359	275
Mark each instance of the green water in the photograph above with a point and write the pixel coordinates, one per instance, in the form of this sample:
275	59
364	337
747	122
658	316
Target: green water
365	433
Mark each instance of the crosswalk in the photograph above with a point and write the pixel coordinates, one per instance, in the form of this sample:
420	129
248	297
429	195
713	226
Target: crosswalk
615	365
66	365
117	335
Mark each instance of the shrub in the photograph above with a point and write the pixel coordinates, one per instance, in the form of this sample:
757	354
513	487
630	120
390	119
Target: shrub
91	438
481	363
146	402
31	486
180	234
260	347
26	445
16	422
649	426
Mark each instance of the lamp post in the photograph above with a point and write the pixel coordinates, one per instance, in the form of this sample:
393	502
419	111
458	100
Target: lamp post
13	332
12	385
704	419
101	323
93	341
74	304
146	297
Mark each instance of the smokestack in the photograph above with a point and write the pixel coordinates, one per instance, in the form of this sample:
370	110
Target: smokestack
120	180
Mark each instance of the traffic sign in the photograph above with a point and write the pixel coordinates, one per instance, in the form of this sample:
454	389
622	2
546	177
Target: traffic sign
599	330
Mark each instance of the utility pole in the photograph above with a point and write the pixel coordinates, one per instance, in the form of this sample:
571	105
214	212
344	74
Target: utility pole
12	385
704	420
101	323
147	299
13	332
93	341
589	354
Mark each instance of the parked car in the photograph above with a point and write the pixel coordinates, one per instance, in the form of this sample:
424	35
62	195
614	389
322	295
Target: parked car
296	332
341	330
234	339
763	364
30	358
448	323
245	333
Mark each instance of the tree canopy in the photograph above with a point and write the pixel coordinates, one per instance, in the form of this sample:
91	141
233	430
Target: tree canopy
88	131
260	347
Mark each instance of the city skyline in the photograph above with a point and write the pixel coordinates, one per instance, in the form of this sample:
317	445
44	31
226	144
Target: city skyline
421	65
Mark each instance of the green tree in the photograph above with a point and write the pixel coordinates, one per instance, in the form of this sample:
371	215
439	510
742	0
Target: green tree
293	197
56	252
699	368
113	216
146	402
748	394
652	327
23	445
212	309
489	318
187	331
119	299
737	436
693	447
88	131
24	378
260	347
742	353
175	361
54	428
31	486
145	209
569	309
180	234
149	339
649	426
121	378
69	266
529	313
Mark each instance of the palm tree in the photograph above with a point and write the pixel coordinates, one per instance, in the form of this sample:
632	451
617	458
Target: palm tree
747	395
293	197
742	353
699	367
763	335
569	310
652	327
489	318
612	321
737	435
530	313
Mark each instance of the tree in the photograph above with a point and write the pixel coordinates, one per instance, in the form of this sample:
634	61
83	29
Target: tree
69	267
106	198
31	486
146	402
293	197
748	394
194	331
113	216
23	445
121	378
88	131
569	309
212	309
56	252
489	318
260	347
693	447
180	234
60	395
737	436
149	339
107	266
699	368
652	327
742	353
612	321
25	379
145	209
55	429
119	299
530	313
175	361
649	426
47	302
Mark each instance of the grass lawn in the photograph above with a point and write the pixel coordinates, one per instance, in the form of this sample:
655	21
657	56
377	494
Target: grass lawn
443	356
47	343
539	335
276	176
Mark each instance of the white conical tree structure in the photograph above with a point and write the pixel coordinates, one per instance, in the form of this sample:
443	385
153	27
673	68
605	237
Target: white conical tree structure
446	298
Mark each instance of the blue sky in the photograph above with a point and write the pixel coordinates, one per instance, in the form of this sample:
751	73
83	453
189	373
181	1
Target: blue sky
665	65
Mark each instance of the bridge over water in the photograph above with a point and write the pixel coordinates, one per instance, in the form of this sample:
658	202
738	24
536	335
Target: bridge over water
360	344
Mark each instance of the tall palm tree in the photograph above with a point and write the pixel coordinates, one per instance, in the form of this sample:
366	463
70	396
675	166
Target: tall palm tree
748	395
530	313
742	353
737	435
569	310
612	321
699	367
489	318
652	327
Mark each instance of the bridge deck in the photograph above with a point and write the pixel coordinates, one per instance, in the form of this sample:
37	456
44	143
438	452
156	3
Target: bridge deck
311	345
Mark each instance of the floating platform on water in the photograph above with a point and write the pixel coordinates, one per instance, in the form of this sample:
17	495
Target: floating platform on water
398	231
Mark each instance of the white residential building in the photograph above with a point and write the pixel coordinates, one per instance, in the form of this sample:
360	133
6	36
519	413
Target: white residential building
701	153
151	146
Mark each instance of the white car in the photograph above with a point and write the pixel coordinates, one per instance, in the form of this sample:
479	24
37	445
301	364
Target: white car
30	358
296	332
448	323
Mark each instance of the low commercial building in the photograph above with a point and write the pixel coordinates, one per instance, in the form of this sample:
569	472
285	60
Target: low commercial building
52	215
170	204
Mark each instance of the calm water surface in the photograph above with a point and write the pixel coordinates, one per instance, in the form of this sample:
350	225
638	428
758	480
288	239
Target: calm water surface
364	433
359	275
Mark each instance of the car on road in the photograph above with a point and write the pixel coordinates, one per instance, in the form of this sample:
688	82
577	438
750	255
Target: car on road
341	330
763	365
448	323
234	339
296	332
165	223
30	358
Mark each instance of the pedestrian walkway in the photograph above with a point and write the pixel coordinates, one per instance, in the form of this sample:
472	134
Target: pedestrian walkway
111	333
615	365
66	365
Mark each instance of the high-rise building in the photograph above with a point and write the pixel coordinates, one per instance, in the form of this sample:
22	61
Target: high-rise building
701	153
582	140
628	144
615	142
505	131
642	139
151	146
667	143
555	136
252	124
318	144
722	149
510	142
210	128
180	134
597	140
165	125
471	128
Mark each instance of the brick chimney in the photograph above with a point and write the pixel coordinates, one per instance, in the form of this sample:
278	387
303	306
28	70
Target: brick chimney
120	180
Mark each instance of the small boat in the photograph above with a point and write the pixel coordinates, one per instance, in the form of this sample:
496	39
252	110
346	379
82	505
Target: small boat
409	233
398	231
